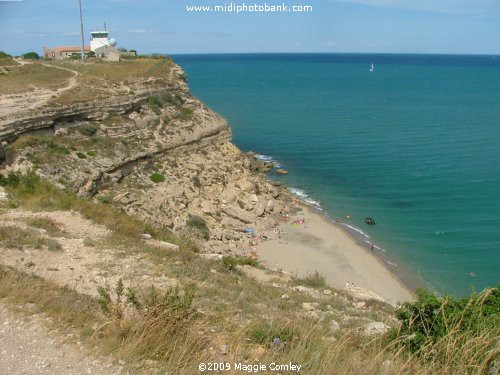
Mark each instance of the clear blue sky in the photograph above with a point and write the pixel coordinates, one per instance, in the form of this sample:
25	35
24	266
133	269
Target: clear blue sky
406	26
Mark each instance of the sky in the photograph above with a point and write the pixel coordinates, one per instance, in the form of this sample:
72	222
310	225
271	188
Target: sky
165	26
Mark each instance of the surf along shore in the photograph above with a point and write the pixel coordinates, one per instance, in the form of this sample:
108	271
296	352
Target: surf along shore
308	242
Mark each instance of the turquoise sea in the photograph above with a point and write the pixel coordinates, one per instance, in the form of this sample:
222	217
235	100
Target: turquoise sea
415	144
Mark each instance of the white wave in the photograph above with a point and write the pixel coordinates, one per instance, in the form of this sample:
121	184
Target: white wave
301	194
356	230
269	159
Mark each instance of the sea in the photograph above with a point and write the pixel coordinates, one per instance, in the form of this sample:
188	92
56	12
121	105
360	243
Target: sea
413	144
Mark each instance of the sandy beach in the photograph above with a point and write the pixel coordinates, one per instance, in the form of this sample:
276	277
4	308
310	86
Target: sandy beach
316	244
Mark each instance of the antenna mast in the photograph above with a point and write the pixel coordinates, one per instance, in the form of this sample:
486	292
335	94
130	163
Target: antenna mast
81	29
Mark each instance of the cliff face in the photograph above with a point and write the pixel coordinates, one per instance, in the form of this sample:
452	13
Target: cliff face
151	149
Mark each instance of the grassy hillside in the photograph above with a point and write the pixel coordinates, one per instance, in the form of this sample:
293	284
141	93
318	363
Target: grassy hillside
219	312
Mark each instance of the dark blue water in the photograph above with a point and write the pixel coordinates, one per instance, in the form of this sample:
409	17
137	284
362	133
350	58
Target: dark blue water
414	144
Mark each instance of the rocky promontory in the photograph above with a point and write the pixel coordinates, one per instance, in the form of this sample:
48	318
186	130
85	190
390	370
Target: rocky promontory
146	145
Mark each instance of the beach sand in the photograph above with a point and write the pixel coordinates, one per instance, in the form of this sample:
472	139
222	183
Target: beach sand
322	246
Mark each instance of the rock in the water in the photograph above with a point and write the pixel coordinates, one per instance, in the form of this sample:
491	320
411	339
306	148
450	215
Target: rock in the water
281	171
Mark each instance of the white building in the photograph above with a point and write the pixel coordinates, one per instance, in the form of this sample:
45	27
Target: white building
100	39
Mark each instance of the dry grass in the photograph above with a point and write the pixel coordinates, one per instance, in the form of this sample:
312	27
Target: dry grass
17	238
230	310
120	71
179	345
30	77
8	61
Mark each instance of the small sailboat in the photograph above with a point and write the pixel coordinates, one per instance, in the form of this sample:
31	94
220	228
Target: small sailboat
372	68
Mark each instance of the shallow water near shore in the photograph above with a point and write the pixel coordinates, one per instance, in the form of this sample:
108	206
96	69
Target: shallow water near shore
414	144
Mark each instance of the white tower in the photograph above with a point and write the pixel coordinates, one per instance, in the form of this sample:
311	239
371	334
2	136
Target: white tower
99	39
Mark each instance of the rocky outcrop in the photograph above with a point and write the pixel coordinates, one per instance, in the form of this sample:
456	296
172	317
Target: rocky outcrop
160	155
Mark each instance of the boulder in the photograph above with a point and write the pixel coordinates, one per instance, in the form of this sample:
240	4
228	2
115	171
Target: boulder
254	198
269	205
3	194
260	207
207	208
61	131
281	171
246	186
260	166
310	306
163	245
238	214
375	328
334	326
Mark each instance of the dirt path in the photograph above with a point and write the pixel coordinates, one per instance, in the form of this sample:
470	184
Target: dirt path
10	104
27	346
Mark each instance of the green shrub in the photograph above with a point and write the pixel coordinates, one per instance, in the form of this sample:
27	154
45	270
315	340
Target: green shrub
12	179
155	101
314	280
231	262
92	154
175	100
177	304
266	333
186	113
31	56
431	318
198	223
81	155
57	148
196	182
87	129
157	177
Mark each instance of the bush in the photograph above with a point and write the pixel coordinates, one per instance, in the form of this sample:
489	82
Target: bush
12	179
198	223
155	101
4	55
157	178
186	113
92	154
267	333
178	305
57	148
87	129
231	262
431	318
31	56
81	155
314	280
196	182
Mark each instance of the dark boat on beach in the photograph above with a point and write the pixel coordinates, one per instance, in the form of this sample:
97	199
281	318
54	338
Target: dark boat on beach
369	221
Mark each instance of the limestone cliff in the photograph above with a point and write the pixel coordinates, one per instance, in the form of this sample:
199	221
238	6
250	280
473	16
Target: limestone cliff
149	147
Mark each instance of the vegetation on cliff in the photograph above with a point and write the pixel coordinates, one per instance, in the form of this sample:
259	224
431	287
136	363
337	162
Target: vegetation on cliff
218	313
